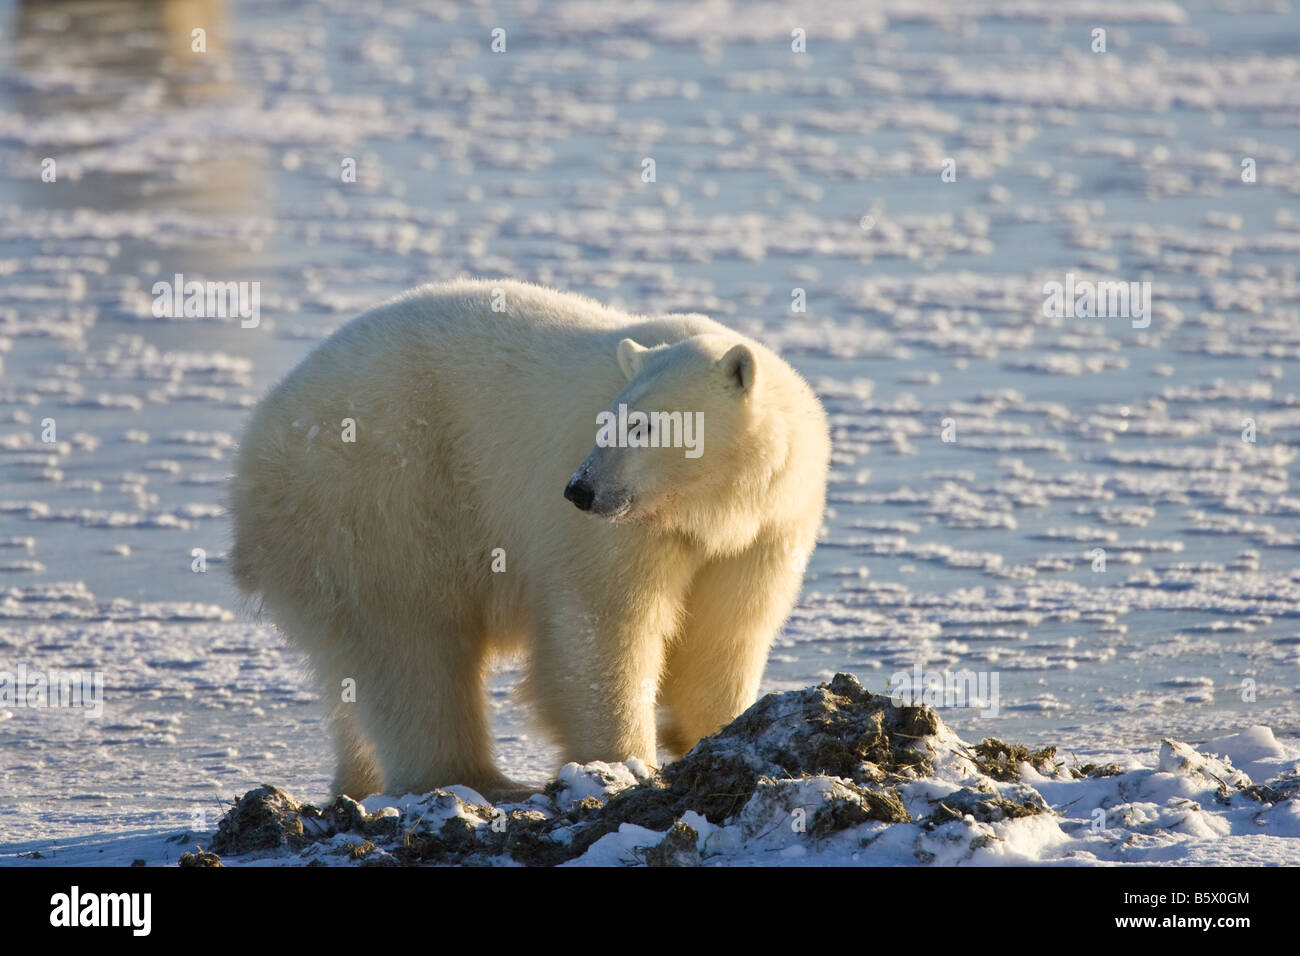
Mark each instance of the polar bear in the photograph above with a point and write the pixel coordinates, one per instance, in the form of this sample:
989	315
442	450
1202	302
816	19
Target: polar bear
399	507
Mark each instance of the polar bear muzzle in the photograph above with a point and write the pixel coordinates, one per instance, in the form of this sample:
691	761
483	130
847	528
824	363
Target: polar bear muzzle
580	492
594	496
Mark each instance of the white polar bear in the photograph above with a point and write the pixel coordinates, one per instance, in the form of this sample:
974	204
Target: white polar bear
377	555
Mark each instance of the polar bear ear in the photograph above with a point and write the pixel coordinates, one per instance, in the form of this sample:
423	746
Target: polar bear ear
630	356
740	367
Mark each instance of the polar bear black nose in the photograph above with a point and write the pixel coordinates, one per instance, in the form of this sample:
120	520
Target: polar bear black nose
580	492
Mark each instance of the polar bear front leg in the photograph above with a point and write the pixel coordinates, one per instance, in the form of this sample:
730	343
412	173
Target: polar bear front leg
734	609
594	677
356	771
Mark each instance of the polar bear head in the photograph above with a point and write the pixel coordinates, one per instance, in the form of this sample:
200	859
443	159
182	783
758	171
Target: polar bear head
696	434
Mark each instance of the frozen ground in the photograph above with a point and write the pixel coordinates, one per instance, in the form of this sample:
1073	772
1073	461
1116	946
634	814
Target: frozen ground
828	775
775	171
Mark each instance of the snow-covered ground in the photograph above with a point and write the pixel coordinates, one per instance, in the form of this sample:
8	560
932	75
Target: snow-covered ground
780	177
828	775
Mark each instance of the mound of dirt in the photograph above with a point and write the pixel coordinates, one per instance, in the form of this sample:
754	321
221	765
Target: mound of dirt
270	819
835	730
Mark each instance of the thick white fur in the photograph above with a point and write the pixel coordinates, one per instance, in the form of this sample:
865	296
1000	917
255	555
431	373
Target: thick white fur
375	557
